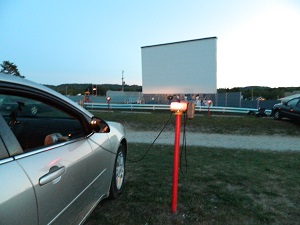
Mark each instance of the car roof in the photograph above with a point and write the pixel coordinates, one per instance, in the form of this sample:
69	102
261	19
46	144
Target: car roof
290	97
8	78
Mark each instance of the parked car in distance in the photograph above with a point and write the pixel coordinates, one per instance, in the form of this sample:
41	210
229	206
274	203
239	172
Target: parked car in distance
57	160
287	109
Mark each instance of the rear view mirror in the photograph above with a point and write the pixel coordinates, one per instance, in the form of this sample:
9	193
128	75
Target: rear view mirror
99	125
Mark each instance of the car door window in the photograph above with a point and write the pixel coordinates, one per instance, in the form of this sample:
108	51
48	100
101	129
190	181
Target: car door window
3	152
36	124
298	104
293	102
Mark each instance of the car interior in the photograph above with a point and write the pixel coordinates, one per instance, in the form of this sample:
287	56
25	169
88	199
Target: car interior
36	124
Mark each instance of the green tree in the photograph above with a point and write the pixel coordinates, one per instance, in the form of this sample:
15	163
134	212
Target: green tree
10	68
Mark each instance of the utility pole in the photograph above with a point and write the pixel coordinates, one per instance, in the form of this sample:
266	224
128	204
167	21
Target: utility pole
123	80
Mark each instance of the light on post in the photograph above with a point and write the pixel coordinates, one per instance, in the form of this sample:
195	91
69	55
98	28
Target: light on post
209	104
94	91
108	100
178	108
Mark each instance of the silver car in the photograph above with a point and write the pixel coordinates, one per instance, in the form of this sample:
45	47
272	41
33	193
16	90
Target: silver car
57	161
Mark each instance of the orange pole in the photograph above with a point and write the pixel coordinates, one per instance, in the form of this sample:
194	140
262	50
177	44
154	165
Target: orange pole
176	161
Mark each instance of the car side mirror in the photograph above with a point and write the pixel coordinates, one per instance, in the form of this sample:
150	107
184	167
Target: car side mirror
99	126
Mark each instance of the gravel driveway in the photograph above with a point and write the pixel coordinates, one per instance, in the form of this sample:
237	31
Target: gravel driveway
255	142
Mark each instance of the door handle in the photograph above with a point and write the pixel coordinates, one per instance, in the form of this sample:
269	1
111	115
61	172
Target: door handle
54	173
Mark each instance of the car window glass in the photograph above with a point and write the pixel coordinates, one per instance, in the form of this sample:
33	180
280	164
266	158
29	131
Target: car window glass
293	102
3	151
27	107
36	124
298	104
8	139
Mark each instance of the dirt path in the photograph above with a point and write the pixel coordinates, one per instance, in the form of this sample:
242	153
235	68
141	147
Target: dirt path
255	142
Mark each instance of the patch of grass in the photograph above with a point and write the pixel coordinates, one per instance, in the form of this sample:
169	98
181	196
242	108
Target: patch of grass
221	186
217	123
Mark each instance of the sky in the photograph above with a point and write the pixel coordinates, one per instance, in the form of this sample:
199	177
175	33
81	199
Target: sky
93	41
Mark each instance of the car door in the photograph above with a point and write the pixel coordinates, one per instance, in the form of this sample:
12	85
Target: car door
17	198
61	176
296	110
293	108
68	176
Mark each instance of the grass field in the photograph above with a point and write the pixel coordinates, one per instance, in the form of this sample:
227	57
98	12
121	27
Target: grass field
216	186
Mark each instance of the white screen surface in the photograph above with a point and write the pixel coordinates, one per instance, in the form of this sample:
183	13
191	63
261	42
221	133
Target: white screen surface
187	67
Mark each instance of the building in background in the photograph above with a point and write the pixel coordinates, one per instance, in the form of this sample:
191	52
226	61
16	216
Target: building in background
127	97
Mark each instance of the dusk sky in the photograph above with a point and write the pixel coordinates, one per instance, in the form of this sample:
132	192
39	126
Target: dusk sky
64	41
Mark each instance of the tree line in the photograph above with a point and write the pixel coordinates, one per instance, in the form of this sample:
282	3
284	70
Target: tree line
254	92
249	93
93	89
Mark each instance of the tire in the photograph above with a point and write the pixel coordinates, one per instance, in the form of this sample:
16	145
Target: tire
118	178
277	115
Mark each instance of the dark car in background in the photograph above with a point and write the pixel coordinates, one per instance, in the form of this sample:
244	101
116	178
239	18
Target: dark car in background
289	108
